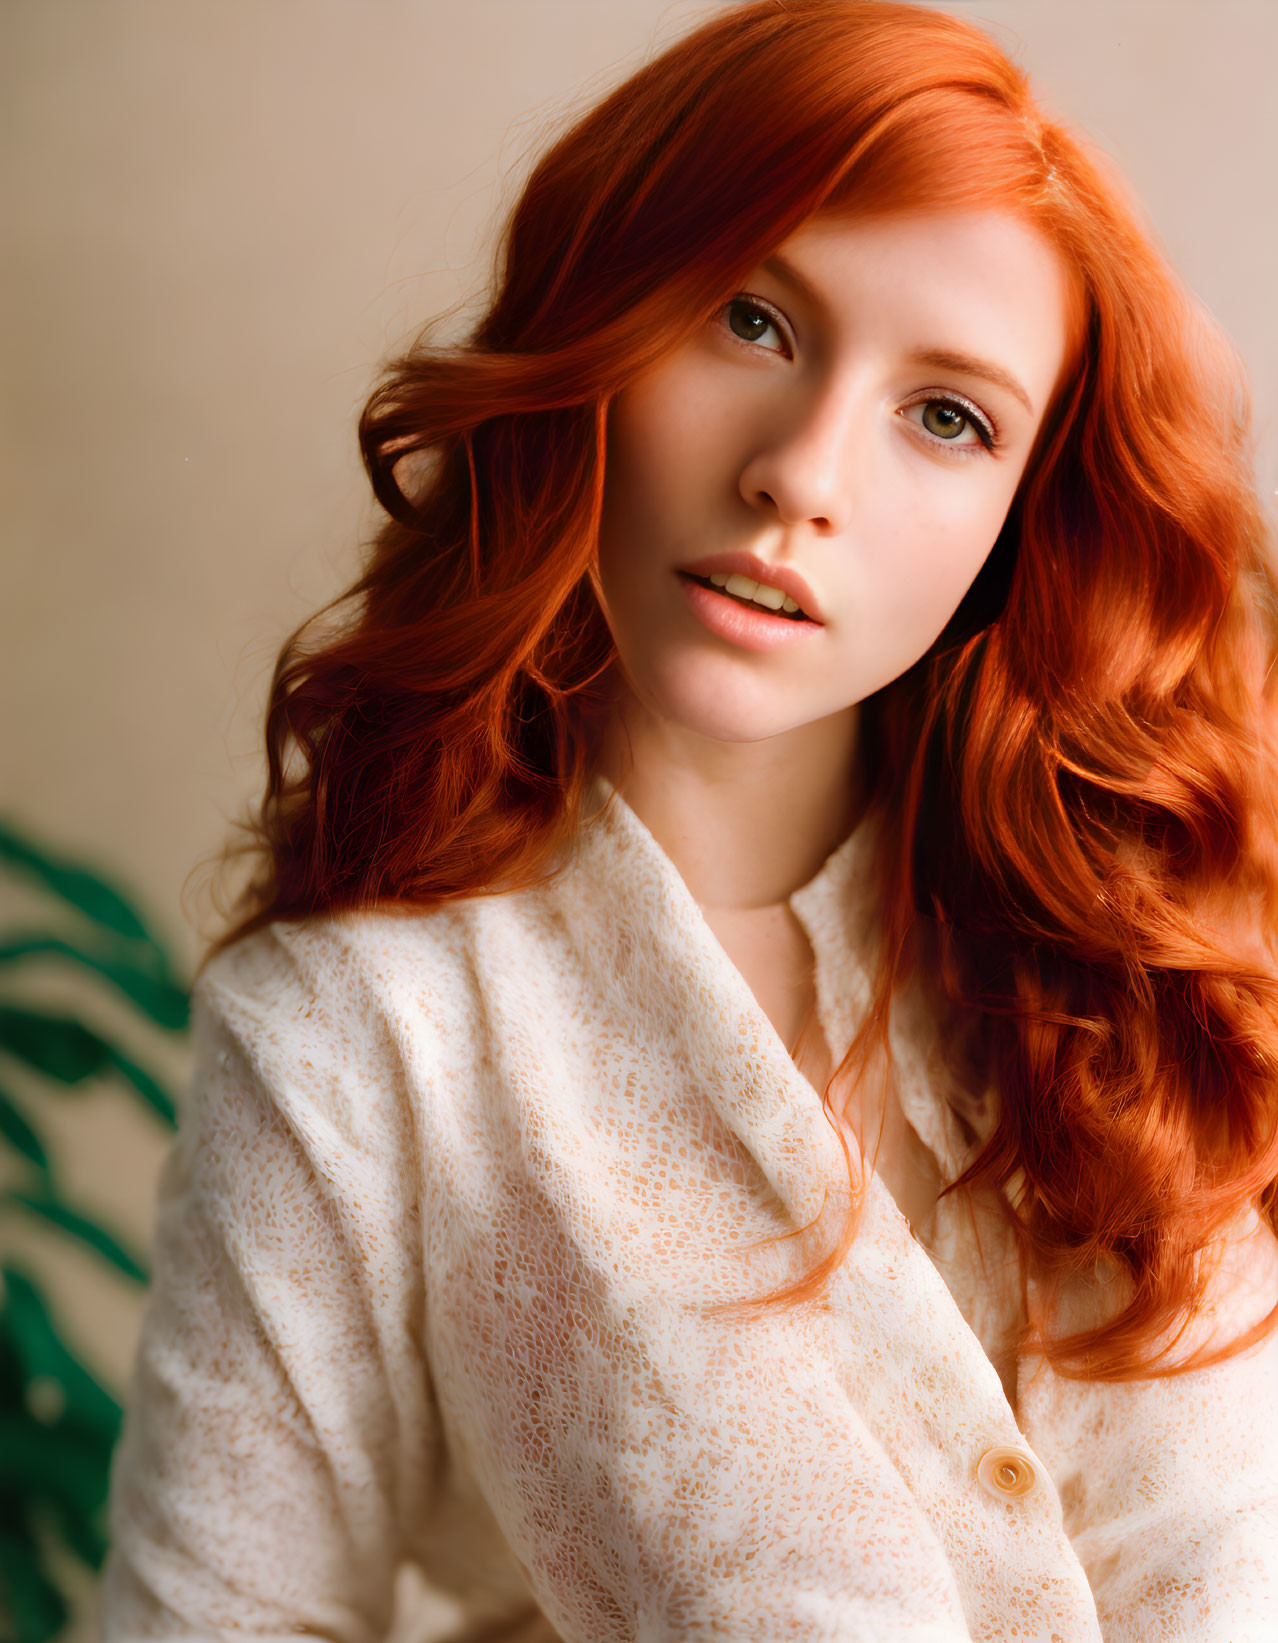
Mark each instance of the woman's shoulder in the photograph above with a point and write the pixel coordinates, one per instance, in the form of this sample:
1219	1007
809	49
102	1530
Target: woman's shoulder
325	952
364	980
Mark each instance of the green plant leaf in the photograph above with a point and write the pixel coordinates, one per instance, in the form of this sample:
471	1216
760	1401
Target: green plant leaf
45	1463
152	1092
37	1609
27	1332
12	1379
19	1134
83	1532
81	1227
156	994
74	884
57	1045
64	1049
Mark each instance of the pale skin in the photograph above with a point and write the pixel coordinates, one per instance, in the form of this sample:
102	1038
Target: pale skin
800	425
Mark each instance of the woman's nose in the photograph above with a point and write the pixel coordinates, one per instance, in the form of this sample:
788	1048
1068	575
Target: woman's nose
804	471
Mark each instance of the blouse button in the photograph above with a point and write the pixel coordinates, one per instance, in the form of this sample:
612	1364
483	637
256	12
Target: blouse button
1007	1474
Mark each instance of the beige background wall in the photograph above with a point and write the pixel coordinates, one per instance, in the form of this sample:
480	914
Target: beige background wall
219	215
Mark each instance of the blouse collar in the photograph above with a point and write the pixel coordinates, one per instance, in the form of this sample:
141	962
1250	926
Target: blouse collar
839	910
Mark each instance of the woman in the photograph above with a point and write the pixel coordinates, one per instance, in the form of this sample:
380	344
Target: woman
819	644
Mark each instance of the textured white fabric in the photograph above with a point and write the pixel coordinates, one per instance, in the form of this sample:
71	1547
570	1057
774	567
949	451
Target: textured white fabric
433	1249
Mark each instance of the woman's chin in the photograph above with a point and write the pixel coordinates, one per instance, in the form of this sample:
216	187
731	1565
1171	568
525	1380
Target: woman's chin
711	702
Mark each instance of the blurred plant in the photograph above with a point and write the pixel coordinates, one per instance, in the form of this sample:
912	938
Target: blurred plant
58	1426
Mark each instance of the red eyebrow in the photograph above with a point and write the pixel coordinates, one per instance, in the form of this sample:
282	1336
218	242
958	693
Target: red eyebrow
946	359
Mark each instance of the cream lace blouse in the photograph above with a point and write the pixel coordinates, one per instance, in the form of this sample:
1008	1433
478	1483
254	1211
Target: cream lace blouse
431	1353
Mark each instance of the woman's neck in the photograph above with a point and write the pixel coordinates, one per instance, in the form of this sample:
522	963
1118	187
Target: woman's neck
745	823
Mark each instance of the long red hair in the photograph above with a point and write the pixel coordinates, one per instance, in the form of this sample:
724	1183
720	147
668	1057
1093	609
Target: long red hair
1079	775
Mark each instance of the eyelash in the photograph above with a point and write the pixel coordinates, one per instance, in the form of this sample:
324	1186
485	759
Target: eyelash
982	424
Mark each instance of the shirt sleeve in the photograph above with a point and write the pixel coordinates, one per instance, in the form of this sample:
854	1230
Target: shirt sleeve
1171	1485
280	1428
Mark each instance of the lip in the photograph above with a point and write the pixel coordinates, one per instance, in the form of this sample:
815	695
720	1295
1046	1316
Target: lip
741	625
758	570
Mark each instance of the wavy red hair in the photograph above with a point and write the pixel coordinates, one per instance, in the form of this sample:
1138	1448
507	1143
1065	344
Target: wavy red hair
1081	859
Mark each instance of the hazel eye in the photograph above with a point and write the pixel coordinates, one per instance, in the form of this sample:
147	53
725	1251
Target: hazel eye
953	422
942	419
748	321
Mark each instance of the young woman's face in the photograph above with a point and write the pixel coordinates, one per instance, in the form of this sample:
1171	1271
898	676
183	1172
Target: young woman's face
861	414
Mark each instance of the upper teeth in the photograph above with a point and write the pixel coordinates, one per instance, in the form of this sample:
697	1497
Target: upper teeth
760	592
